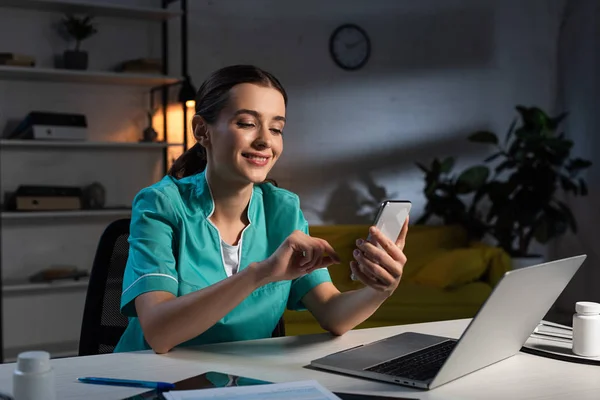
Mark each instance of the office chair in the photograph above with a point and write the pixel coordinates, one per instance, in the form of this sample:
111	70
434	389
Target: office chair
103	324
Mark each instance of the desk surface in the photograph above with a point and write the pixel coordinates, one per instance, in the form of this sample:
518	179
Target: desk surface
523	376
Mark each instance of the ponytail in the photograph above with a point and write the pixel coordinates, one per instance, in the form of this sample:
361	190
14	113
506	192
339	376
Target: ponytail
191	162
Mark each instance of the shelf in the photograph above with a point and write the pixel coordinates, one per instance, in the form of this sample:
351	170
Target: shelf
95	8
74	143
15	215
10	288
8	72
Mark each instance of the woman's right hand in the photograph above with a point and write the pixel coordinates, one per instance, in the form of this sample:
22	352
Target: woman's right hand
299	254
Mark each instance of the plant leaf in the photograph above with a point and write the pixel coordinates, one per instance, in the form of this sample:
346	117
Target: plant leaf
472	179
578	164
554	122
493	156
567	184
483	137
447	165
511	129
506	164
436	166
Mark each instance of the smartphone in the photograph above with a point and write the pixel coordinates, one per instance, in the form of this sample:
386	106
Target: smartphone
391	217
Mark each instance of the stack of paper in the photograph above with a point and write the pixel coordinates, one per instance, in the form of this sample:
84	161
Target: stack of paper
303	390
552	331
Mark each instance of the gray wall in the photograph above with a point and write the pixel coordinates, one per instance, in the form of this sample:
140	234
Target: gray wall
438	71
579	93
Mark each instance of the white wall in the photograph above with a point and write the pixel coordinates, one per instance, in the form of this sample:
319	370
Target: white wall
438	71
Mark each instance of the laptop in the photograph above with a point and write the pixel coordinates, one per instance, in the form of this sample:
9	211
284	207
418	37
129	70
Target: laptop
502	325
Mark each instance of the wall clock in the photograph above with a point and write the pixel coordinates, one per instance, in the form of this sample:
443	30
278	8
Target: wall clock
350	47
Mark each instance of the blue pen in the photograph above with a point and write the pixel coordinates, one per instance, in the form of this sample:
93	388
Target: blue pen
128	382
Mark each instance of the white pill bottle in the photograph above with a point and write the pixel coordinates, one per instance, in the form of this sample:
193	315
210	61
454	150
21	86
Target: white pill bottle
33	378
586	329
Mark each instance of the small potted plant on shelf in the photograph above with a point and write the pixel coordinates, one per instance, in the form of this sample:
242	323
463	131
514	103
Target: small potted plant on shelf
78	29
521	201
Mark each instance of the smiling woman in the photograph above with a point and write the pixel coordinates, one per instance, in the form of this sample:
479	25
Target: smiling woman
217	252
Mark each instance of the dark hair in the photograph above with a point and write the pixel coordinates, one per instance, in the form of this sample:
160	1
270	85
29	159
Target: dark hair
211	98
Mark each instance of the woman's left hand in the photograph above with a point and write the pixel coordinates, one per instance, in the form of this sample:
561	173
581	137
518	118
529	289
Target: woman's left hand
380	268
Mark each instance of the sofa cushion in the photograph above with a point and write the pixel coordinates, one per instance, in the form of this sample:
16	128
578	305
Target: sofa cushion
461	266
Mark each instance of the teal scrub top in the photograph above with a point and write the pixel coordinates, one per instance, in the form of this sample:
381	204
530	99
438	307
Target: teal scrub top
174	247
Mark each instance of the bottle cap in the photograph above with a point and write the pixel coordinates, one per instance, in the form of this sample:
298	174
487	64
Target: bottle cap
587	307
33	361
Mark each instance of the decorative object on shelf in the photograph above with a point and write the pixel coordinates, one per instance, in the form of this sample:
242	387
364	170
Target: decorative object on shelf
94	196
44	198
51	126
58	272
149	134
141	66
520	202
350	47
79	29
17	60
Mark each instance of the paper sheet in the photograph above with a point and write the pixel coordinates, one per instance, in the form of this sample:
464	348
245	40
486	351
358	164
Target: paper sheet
302	390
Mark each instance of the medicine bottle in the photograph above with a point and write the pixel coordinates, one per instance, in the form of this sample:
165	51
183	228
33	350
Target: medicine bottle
33	378
586	329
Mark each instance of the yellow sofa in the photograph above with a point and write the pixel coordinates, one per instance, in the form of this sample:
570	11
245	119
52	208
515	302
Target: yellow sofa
445	277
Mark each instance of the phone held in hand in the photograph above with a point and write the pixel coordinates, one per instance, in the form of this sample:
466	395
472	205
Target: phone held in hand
391	217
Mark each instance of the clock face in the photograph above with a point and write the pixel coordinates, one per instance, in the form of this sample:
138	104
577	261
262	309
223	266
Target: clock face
350	47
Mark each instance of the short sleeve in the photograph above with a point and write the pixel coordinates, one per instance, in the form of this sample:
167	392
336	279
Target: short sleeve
301	286
151	264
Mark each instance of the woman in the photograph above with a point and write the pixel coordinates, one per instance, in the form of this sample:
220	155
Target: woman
217	253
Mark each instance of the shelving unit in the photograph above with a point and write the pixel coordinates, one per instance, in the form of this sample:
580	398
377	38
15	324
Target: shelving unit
19	288
94	77
33	215
86	144
63	298
102	9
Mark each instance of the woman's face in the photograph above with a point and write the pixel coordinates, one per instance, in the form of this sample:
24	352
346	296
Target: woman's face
246	140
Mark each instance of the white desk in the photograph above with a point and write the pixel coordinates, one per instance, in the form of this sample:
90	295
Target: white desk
523	376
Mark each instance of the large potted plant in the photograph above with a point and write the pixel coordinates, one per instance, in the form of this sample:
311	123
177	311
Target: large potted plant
519	200
78	29
453	198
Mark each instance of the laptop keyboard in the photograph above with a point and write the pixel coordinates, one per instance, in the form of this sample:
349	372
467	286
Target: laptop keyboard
419	366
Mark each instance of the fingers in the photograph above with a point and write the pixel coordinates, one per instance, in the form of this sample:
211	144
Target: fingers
401	241
387	245
366	278
312	252
379	257
371	269
328	249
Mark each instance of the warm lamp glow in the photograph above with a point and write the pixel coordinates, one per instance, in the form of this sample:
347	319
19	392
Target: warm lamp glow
190	104
175	129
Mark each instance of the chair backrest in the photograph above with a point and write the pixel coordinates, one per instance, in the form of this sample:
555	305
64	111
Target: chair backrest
103	324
